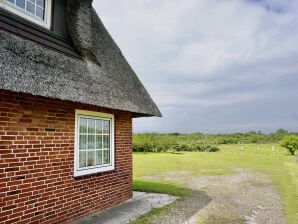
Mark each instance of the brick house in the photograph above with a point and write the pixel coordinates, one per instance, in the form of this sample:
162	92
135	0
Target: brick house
67	99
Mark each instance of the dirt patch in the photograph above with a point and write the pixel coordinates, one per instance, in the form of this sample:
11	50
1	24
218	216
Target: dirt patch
243	197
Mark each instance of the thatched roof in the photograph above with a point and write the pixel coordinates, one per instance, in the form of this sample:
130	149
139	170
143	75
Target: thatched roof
103	78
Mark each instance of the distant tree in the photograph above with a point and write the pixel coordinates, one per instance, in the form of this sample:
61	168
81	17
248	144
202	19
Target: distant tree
175	133
291	143
281	132
143	142
165	142
251	133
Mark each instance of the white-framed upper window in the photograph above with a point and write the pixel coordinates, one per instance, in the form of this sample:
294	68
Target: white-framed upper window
94	143
37	11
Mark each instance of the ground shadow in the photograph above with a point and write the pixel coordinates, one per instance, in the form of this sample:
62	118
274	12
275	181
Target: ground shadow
182	211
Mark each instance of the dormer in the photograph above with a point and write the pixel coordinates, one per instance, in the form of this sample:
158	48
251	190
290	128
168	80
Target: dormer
42	21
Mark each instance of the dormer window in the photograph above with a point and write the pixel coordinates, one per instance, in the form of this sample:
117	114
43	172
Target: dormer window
37	11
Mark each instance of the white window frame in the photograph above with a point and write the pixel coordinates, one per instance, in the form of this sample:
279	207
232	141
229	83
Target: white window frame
28	16
99	168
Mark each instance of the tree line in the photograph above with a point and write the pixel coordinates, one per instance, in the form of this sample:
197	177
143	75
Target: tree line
159	142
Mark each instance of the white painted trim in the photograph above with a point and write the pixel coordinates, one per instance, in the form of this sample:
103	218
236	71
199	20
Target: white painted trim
95	169
28	16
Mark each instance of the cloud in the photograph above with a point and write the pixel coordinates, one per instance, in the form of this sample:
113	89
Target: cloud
217	60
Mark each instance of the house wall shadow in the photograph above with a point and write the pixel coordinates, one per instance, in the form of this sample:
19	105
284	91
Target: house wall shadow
183	210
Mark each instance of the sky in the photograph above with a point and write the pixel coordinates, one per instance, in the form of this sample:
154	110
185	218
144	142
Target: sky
211	66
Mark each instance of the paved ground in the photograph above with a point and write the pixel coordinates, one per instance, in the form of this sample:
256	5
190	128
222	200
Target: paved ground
244	197
129	210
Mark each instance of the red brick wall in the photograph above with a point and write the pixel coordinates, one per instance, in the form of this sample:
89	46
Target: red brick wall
36	162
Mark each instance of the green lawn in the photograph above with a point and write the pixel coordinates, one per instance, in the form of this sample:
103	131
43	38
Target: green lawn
279	164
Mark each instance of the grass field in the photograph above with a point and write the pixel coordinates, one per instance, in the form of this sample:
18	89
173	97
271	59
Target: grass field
276	162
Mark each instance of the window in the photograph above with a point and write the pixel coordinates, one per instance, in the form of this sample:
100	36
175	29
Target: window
37	11
94	142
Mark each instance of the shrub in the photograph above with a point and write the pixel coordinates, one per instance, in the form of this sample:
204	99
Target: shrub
210	148
291	143
181	147
227	140
199	147
142	147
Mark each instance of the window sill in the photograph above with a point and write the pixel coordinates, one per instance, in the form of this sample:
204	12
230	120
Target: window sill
80	173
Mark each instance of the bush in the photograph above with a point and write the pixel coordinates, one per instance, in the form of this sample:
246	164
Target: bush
143	143
181	147
227	141
291	143
210	148
142	147
199	147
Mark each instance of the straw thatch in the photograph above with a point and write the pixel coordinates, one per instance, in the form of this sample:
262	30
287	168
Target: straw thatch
102	78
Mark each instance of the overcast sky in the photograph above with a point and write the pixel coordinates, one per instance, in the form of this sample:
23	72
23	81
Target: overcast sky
211	65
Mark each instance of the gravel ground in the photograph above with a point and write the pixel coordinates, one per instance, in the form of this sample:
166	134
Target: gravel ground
244	197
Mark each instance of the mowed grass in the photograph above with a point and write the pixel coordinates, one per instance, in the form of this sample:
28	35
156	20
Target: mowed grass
267	158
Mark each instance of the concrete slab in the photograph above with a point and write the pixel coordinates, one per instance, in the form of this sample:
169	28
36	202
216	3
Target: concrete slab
129	210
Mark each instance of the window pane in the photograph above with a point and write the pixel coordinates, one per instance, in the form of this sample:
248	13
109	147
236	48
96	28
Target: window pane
106	127
91	126
83	125
39	12
98	154
30	8
90	158
99	142
20	3
106	141
82	159
106	156
83	142
35	7
91	141
40	3
98	126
